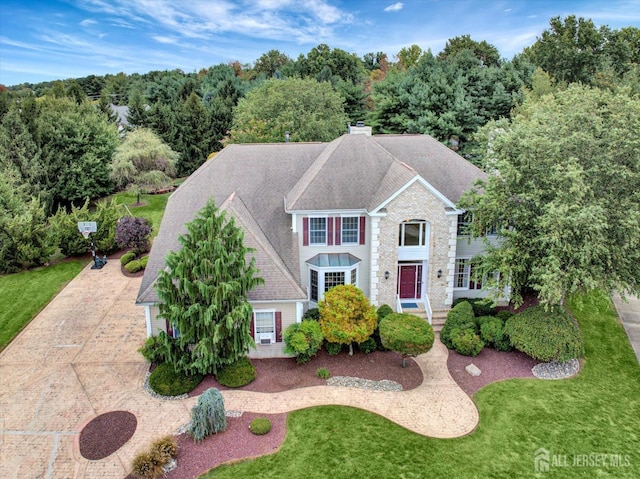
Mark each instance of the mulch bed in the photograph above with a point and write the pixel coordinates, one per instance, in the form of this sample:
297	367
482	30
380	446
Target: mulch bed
105	434
277	375
274	375
495	366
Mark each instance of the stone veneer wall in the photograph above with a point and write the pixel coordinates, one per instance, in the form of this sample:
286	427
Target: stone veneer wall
416	202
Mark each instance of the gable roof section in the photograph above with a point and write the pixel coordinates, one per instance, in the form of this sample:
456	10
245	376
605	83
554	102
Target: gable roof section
261	174
362	172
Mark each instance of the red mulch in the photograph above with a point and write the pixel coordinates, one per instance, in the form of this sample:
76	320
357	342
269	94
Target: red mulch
105	434
494	366
276	375
237	442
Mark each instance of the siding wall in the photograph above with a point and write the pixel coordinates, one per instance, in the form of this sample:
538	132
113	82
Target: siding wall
359	251
289	316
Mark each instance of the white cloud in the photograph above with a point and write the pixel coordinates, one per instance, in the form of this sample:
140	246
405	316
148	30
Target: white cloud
87	22
163	39
396	7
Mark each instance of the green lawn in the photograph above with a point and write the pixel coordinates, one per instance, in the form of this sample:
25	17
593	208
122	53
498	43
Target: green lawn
597	412
152	209
23	295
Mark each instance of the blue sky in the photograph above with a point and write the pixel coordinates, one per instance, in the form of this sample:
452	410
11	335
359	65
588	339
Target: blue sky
45	40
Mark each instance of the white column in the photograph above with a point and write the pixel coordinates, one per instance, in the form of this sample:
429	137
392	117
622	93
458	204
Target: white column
375	258
147	314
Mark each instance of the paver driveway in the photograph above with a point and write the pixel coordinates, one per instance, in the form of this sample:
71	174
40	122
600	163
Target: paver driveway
78	359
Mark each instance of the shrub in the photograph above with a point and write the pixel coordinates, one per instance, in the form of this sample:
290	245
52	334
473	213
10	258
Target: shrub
312	314
504	315
164	380
466	342
153	350
481	306
460	317
127	258
323	373
480	320
406	334
133	233
133	266
237	374
166	447
333	348
368	346
147	465
384	311
546	335
208	416
346	316
303	340
260	426
143	261
492	332
106	215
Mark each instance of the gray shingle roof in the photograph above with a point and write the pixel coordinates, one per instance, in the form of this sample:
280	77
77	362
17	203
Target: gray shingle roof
356	172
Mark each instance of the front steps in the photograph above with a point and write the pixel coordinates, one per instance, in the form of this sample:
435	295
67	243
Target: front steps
437	318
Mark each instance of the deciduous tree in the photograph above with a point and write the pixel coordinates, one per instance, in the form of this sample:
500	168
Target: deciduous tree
565	188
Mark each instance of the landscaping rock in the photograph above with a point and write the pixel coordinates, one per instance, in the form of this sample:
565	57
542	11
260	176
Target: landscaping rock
351	382
473	370
554	370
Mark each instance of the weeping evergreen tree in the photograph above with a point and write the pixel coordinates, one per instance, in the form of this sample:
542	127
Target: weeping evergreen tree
203	292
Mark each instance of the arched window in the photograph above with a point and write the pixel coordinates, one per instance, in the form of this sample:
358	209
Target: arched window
412	233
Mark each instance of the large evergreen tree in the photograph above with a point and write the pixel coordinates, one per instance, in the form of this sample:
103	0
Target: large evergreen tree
203	292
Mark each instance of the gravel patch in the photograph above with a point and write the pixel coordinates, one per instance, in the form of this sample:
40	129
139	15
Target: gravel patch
553	370
351	382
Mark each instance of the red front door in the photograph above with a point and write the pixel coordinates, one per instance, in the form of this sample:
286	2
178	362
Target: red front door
408	278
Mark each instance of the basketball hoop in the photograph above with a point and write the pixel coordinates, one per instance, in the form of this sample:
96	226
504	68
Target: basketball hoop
85	233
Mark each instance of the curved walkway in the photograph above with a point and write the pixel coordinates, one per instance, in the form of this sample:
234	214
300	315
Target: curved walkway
78	359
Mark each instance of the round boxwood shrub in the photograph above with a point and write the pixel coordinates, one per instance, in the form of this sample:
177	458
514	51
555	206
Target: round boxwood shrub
551	335
492	332
303	340
406	334
466	342
384	311
481	306
260	426
127	258
237	374
312	314
143	261
460	317
164	380
333	348
368	346
153	350
133	266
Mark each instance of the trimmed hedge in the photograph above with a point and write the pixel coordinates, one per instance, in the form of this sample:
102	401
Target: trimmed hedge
368	346
312	314
260	426
143	261
384	311
333	348
303	339
164	380
466	342
238	374
127	258
546	335
460	317
492	332
406	334
481	306
133	266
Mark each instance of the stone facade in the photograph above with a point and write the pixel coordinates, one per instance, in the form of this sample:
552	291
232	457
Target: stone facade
416	202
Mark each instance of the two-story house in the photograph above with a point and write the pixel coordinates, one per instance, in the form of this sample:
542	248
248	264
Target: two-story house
375	211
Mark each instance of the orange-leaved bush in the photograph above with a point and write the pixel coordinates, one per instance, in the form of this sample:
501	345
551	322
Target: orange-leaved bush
346	316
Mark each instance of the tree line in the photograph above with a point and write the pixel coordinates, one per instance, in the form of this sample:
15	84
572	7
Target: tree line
60	143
